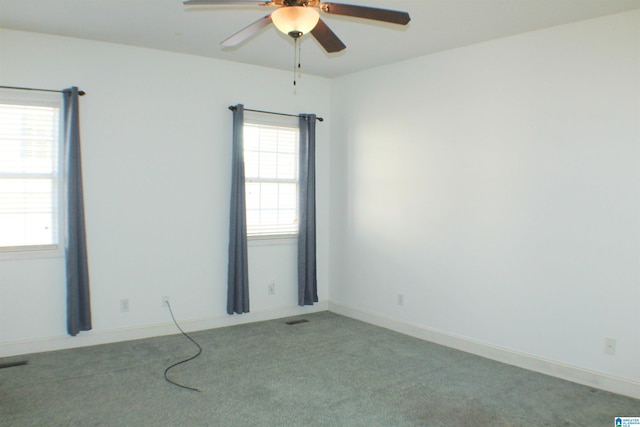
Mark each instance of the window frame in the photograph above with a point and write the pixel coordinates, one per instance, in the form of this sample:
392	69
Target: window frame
275	121
55	249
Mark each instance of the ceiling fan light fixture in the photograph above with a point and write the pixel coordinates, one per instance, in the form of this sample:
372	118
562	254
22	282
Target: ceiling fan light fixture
295	20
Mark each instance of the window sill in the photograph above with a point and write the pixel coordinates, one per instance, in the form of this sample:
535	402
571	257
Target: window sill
272	240
35	253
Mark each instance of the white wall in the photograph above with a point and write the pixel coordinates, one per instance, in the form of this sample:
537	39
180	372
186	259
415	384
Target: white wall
156	136
497	188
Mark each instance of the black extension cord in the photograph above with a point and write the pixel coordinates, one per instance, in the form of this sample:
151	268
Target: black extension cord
182	361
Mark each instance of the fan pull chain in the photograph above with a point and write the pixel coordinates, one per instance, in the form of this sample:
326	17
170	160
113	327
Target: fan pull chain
295	59
299	58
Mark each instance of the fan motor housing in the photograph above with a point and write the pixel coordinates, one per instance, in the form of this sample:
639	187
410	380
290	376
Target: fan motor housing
307	3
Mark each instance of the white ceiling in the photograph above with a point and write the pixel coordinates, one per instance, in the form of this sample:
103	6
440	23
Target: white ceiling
436	25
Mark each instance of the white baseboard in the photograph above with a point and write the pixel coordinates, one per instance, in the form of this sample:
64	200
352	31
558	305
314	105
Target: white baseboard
553	368
84	339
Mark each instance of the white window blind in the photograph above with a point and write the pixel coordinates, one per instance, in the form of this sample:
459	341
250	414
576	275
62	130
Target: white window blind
29	171
271	175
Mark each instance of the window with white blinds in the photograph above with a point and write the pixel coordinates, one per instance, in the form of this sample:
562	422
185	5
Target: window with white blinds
29	171
271	177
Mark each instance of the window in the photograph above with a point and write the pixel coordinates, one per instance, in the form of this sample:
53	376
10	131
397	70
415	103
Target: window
271	176
29	171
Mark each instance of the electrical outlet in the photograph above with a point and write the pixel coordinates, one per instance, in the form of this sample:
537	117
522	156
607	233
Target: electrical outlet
124	305
271	287
401	300
165	301
610	346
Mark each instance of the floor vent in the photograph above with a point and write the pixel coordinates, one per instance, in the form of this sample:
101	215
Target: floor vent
12	364
296	322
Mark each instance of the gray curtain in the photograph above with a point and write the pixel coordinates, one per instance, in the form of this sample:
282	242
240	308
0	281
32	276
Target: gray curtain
307	276
238	278
77	266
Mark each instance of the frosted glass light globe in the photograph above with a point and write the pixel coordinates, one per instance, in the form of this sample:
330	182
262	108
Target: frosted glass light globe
295	20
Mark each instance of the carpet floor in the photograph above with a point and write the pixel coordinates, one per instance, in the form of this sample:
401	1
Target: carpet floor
330	371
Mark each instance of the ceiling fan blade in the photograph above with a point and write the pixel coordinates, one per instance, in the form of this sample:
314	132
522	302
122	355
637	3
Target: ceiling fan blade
246	32
192	2
385	15
327	38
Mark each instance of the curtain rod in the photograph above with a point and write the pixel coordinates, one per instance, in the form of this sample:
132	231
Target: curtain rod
233	108
80	92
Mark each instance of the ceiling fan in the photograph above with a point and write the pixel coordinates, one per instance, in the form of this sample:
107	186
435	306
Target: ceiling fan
298	17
